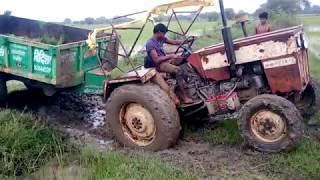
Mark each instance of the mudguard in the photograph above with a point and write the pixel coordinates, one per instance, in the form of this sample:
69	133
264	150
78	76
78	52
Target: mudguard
138	76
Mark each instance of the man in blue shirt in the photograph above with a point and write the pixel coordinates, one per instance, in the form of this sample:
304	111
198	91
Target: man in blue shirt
165	63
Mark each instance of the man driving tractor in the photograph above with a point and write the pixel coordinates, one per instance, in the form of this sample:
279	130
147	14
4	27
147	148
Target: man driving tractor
156	57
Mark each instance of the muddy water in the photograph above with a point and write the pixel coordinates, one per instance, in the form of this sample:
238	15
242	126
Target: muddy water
81	118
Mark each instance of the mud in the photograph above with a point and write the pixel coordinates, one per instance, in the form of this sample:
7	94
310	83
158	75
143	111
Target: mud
78	117
214	162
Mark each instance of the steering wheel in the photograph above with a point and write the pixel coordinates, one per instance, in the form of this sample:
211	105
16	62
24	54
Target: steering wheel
187	50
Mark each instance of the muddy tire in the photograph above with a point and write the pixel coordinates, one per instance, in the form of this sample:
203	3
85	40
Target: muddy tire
309	103
270	123
3	90
143	117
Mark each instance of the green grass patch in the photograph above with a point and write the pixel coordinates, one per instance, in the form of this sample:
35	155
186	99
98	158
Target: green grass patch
116	165
15	86
314	66
310	20
25	144
302	163
221	133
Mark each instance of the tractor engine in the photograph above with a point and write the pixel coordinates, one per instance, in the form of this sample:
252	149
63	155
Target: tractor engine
221	97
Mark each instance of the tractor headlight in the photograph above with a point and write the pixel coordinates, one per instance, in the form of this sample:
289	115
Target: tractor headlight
299	42
304	41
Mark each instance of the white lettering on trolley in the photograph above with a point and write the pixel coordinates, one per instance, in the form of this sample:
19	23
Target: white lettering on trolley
41	57
42	61
279	63
42	68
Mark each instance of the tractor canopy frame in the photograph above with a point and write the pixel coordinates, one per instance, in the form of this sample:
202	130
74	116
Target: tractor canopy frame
115	29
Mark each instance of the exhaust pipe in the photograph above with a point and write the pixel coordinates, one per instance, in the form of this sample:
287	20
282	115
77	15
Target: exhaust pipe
228	41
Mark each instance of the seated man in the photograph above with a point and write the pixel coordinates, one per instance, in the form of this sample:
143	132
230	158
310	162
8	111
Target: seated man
165	63
263	26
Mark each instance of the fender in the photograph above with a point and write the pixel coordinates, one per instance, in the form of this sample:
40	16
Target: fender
139	76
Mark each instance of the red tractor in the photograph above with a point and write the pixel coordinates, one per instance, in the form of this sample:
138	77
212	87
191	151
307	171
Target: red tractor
263	80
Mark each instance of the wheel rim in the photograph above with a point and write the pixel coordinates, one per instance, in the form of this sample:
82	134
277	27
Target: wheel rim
268	126
137	124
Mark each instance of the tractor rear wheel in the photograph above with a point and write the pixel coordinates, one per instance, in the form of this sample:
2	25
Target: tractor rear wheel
143	117
309	102
270	123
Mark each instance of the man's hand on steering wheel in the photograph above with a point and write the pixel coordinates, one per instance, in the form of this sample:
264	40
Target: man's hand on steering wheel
188	49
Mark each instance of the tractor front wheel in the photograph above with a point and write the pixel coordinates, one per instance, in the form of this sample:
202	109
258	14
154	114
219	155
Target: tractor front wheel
143	117
270	123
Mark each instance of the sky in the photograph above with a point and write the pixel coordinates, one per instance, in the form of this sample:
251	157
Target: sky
58	10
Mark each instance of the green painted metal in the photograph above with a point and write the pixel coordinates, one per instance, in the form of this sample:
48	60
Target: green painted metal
63	66
94	82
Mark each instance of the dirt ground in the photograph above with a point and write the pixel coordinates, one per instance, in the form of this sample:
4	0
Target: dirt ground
81	120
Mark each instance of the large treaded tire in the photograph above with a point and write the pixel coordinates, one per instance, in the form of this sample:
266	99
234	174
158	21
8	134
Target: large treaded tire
3	90
310	103
157	102
280	106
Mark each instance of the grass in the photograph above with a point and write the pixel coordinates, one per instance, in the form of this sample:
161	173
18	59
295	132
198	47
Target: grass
310	20
314	66
25	144
222	133
116	165
15	86
301	163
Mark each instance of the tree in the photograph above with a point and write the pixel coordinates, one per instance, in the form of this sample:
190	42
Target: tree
210	16
287	6
8	13
67	21
315	9
230	13
101	20
89	20
305	4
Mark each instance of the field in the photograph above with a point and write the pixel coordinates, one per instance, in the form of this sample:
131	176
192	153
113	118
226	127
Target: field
32	149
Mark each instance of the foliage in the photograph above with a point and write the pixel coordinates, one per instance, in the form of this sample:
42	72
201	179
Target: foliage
221	133
284	6
230	13
315	9
67	21
89	20
283	20
303	162
7	13
116	165
25	144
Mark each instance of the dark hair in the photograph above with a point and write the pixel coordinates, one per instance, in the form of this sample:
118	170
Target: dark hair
160	28
264	15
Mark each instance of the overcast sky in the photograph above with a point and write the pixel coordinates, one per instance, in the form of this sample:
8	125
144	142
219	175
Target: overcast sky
58	10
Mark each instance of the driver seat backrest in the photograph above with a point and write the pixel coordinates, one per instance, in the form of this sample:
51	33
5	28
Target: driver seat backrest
148	63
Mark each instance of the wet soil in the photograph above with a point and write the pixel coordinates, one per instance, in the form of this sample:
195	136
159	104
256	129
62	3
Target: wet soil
81	118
